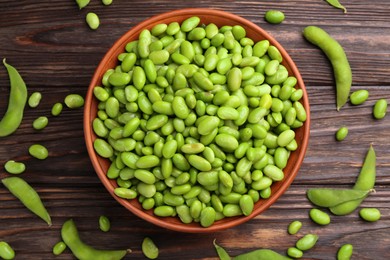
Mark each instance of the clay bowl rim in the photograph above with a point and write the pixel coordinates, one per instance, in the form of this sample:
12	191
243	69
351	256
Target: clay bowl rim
110	59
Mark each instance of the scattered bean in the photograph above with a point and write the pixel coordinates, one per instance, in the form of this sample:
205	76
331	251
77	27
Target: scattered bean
274	16
74	101
40	123
6	251
358	97
149	248
14	167
294	252
380	109
341	133
320	217
34	99
306	242
38	151
370	214
294	227
104	224
59	248
107	2
92	20
56	109
345	252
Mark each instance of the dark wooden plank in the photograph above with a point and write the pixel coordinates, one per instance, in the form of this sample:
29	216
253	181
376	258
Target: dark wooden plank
56	53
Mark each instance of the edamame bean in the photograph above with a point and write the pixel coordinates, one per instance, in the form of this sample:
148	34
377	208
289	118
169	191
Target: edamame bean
56	109
341	133
319	217
370	214
380	109
59	248
107	2
6	251
306	242
14	167
345	252
92	20
38	151
149	248
336	55
294	227
274	16
358	97
40	123
74	101
34	99
104	223
294	252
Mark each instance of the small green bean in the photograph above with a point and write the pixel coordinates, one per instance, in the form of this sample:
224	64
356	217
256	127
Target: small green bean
358	97
14	167
306	242
38	151
274	16
34	99
56	109
294	252
380	109
40	123
149	248
74	101
107	2
59	248
92	20
320	217
294	227
345	252
104	223
341	133
370	214
6	251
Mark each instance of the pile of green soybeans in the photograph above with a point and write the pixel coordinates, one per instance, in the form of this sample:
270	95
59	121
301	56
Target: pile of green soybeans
198	121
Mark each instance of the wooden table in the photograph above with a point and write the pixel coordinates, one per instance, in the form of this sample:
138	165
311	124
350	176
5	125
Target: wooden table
56	53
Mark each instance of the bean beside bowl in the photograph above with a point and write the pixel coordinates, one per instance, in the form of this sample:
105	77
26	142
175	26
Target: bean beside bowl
196	120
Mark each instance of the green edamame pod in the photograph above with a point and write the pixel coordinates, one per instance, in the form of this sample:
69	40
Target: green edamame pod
336	4
261	254
82	251
222	254
17	101
336	55
365	181
28	196
328	197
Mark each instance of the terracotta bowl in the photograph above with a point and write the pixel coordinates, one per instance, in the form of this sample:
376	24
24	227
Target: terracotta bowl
207	16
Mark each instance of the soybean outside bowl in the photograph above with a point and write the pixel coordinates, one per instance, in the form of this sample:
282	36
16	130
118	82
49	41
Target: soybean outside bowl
207	16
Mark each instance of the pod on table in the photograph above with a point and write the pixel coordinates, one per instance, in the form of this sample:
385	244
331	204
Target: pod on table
28	196
82	251
336	55
222	254
17	101
329	197
261	254
337	4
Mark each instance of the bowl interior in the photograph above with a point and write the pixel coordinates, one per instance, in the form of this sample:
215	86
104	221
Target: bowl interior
207	16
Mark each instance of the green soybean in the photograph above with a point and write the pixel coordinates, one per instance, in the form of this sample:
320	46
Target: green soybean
104	223
320	217
40	123
59	248
294	252
294	227
56	109
274	16
380	109
345	252
92	20
358	97
341	133
370	214
28	196
306	242
34	99
38	151
82	3
107	2
149	248
14	167
336	55
74	101
6	251
81	250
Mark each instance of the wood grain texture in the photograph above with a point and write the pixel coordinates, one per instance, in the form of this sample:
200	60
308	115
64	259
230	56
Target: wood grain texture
56	53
